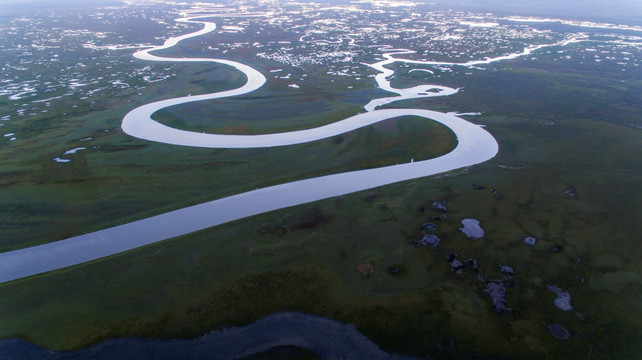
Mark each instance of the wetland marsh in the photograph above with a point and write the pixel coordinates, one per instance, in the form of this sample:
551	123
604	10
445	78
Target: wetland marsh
567	173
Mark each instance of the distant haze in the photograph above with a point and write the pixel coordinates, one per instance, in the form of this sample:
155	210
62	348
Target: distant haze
611	10
615	11
13	8
629	11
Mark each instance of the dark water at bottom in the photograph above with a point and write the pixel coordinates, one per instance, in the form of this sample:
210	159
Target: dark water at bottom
327	338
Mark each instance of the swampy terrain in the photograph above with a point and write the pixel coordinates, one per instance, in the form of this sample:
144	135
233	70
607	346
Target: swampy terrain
555	273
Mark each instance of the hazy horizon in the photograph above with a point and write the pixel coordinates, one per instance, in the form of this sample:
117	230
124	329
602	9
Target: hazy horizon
629	11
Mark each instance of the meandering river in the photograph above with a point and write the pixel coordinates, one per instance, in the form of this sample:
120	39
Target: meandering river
474	145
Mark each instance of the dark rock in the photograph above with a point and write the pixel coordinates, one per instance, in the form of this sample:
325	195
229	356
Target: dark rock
440	206
422	209
496	194
559	331
580	279
556	248
430	240
397	270
478	187
415	241
472	263
429	226
455	264
436	218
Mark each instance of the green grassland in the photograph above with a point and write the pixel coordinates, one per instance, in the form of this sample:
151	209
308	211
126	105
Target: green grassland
564	130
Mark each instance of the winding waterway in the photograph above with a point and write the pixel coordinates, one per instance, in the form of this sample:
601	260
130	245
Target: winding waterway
474	145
